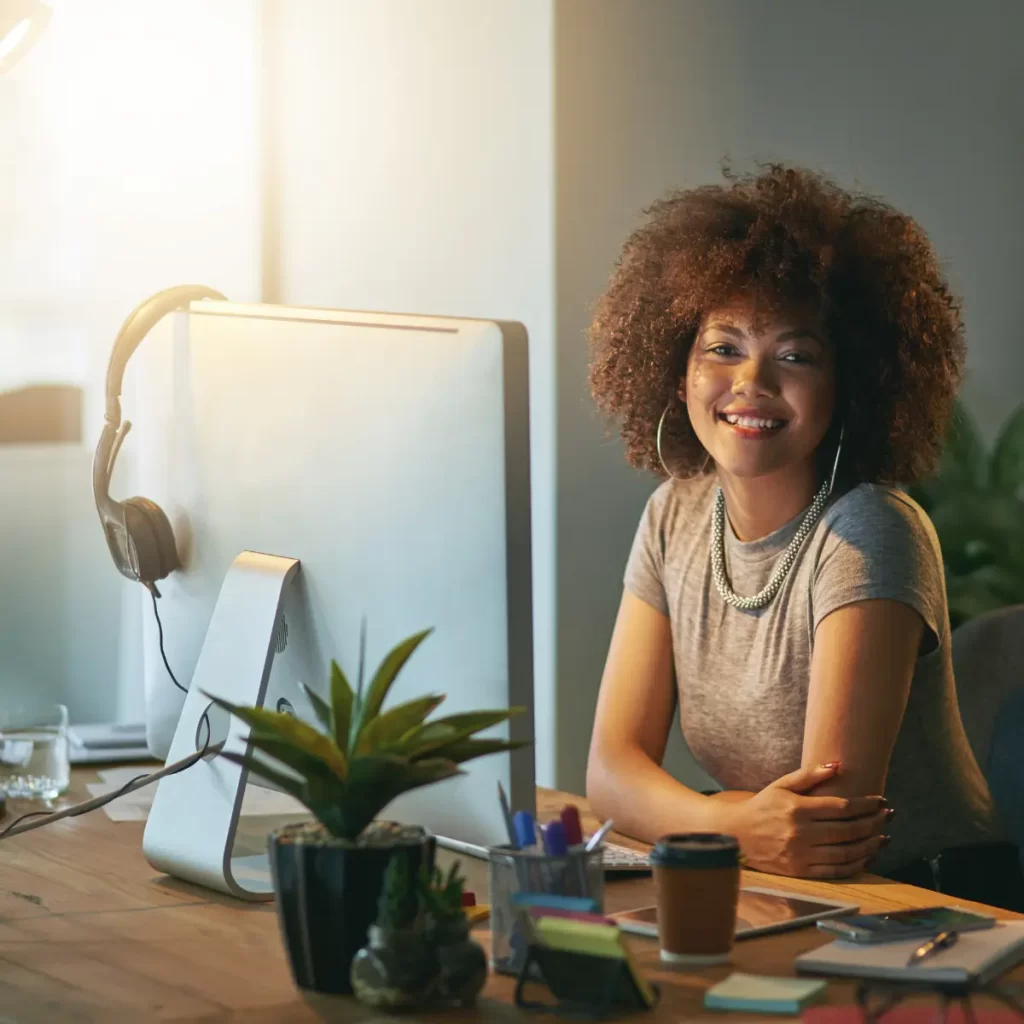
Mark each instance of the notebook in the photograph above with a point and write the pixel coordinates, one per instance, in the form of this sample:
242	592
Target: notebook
977	957
762	994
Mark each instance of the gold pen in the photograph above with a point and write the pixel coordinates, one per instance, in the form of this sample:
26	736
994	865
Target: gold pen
941	941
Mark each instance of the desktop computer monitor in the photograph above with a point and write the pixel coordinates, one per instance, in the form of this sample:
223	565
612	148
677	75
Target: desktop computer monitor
389	454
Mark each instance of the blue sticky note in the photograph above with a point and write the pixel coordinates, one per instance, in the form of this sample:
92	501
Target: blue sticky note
581	904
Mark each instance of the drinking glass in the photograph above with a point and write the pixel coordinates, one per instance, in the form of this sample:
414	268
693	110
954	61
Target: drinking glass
34	752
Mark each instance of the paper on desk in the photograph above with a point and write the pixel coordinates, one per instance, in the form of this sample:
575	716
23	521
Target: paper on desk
135	806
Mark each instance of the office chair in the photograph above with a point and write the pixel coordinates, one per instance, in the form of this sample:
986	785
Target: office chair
988	665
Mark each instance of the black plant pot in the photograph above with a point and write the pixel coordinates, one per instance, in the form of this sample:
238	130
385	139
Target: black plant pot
327	893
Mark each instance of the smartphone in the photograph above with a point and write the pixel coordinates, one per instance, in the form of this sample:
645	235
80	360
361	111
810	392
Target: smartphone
905	924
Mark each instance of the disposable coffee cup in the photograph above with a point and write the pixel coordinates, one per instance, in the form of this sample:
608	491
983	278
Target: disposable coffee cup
696	885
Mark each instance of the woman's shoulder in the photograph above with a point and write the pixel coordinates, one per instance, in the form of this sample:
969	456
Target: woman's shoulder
880	512
676	503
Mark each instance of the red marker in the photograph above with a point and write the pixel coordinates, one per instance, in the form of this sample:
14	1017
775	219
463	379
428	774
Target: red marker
570	818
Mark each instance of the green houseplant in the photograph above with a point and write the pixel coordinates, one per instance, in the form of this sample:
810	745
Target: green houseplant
328	873
976	501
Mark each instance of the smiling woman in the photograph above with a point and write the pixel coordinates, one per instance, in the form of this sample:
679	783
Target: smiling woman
786	353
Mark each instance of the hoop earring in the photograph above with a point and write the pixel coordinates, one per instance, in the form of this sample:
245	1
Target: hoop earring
835	464
661	458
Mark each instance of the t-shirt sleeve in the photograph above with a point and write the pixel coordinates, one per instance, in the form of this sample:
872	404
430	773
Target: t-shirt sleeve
880	546
644	575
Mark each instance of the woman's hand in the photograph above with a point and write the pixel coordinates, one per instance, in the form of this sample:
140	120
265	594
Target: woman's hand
784	831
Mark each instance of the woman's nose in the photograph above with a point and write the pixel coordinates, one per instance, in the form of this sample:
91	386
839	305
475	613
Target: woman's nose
754	377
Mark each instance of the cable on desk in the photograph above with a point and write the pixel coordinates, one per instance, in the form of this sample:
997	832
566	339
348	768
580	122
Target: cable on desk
139	781
48	817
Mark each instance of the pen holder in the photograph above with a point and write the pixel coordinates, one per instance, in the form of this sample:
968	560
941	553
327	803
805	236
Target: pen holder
577	874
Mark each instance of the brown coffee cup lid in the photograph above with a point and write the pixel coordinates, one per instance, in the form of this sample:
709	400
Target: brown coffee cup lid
696	850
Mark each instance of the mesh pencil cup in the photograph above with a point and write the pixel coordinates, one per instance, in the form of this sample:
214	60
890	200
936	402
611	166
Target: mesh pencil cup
512	871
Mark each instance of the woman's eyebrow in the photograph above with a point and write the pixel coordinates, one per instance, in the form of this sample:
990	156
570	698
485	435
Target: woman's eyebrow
801	332
724	328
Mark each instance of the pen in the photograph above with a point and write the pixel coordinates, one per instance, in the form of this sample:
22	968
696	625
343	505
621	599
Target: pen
570	817
506	813
941	941
525	829
598	837
554	839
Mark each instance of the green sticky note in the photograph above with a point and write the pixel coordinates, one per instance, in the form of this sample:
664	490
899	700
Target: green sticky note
758	993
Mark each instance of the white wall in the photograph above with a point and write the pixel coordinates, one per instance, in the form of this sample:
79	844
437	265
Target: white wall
129	161
416	175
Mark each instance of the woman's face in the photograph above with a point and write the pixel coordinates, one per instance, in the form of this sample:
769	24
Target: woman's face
760	399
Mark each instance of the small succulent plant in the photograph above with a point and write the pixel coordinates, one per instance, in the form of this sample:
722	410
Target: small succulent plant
395	908
441	895
364	756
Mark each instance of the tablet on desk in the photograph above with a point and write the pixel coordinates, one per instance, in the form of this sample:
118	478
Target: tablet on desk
759	912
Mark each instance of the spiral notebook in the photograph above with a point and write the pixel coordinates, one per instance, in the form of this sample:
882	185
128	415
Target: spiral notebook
976	958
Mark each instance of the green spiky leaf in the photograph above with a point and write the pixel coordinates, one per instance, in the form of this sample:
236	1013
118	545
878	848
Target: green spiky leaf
321	709
464	750
291	730
306	765
1007	470
287	783
374	781
430	736
387	729
341	706
383	678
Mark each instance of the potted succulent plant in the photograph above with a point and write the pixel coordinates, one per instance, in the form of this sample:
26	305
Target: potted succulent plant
328	873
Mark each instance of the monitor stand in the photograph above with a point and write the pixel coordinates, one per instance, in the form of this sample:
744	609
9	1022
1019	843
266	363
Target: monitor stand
192	826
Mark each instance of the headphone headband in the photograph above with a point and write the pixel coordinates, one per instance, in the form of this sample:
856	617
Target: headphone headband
138	534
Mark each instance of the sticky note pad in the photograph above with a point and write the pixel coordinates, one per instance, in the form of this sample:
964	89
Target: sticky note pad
758	993
580	937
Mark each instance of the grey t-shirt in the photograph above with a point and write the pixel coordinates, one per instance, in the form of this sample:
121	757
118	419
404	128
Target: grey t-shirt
743	675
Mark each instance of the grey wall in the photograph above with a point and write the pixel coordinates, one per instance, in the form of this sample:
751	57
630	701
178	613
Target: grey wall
918	101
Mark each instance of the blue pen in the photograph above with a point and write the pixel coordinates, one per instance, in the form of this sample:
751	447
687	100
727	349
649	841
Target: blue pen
525	828
507	816
555	844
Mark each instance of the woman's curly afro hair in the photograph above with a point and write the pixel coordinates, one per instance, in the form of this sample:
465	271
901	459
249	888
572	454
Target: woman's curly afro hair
784	237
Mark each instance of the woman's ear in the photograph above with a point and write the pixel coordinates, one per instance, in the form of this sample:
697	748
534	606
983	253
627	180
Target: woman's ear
681	391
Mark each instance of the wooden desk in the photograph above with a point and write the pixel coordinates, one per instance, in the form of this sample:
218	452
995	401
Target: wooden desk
90	932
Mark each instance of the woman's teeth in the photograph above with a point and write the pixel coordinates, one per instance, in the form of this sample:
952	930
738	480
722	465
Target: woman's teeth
750	423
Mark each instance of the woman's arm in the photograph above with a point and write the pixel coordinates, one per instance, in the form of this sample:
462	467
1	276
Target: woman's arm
635	708
861	670
779	829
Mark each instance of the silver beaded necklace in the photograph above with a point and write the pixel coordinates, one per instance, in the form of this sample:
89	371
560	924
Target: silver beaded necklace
782	567
785	563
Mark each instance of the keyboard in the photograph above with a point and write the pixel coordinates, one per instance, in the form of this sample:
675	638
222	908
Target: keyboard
617	859
622	858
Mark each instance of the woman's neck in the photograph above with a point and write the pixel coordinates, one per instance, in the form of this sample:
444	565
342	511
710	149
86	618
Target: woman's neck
758	506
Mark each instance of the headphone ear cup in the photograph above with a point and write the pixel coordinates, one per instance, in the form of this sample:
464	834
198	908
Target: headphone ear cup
150	532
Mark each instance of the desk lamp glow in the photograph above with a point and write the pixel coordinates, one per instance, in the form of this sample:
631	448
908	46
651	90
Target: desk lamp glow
21	24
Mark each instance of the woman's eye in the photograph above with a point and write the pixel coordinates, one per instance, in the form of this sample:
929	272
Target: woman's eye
795	357
722	349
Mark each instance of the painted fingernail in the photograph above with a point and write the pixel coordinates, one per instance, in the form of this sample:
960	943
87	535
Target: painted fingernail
886	840
889	812
831	764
